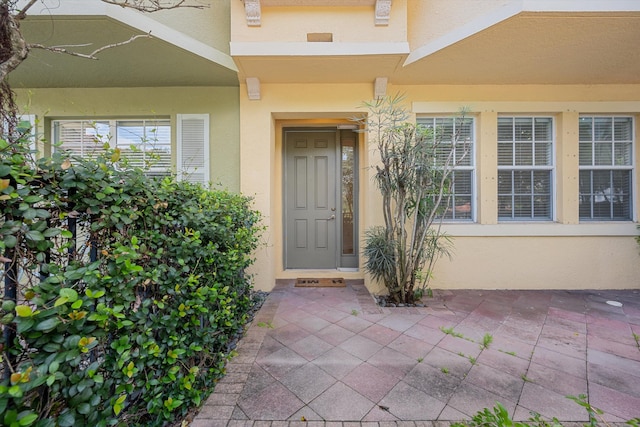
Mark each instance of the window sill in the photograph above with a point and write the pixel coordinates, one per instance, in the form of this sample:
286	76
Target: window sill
542	229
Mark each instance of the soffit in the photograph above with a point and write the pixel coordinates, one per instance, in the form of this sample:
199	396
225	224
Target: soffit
146	62
536	48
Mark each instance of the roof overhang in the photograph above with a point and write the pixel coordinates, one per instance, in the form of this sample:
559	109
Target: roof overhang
535	42
523	42
167	58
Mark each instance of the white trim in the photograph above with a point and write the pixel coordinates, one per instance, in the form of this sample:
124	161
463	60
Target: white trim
579	6
516	7
541	229
425	107
317	48
137	20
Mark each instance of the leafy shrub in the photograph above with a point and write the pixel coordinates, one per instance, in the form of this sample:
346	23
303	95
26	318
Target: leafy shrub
414	175
129	321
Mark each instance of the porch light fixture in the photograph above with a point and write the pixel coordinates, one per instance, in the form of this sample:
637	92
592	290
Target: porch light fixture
380	87
253	88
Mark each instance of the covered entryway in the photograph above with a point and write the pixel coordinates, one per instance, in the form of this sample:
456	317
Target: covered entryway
319	198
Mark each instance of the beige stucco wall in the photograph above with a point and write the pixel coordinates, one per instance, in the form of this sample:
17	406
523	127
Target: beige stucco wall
557	254
222	105
432	19
352	24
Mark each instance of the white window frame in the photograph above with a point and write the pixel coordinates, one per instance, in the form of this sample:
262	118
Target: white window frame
593	167
513	167
431	121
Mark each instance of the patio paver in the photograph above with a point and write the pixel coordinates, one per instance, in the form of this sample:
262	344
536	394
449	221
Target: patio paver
330	357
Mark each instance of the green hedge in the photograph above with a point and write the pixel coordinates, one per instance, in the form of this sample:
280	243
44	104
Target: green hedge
142	333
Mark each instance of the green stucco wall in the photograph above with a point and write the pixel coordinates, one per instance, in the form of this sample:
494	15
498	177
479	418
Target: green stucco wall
221	103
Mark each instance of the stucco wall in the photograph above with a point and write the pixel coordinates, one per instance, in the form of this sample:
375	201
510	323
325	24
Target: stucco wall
220	103
291	24
488	254
210	25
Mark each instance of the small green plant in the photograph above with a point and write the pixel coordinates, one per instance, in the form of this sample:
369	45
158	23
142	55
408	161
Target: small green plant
510	353
450	331
265	325
498	416
637	338
444	370
354	312
487	339
526	379
461	354
472	360
420	359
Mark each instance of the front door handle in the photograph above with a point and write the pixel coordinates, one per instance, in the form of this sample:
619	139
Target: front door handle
331	217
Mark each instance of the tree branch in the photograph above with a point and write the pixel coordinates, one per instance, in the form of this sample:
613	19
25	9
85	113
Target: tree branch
14	48
23	13
92	55
153	5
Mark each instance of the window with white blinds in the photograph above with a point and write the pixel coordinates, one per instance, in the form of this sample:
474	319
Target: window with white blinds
142	143
457	139
525	168
606	166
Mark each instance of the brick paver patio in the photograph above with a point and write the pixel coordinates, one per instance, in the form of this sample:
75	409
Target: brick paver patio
332	357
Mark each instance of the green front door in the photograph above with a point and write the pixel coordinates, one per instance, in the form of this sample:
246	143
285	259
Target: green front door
310	199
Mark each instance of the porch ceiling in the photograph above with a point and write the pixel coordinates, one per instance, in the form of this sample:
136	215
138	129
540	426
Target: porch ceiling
146	62
527	48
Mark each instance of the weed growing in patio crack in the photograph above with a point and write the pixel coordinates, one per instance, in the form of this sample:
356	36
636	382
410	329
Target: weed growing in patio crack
265	325
487	339
526	379
461	354
420	359
637	338
498	416
354	312
510	353
472	360
445	370
450	331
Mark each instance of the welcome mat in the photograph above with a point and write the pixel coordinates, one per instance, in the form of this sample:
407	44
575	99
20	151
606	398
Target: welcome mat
320	283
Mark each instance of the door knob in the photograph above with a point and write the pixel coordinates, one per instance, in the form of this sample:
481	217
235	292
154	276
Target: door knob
331	217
